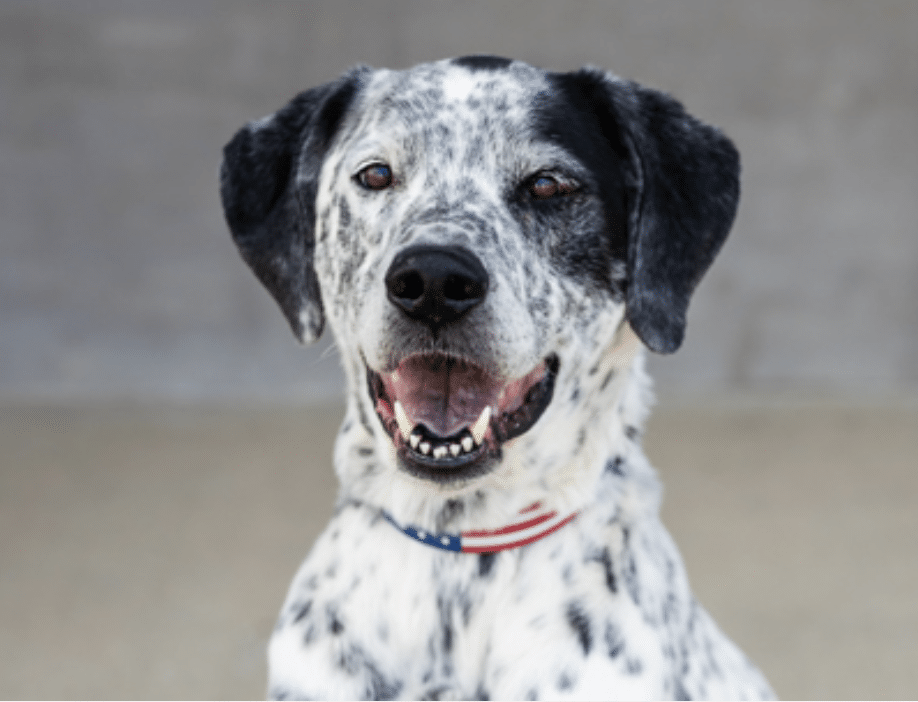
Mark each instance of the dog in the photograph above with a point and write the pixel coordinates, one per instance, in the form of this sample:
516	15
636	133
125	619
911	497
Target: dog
493	246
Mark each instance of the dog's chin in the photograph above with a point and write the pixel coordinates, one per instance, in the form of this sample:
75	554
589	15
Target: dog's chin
448	419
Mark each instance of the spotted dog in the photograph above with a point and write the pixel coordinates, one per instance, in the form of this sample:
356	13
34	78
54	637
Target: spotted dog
493	247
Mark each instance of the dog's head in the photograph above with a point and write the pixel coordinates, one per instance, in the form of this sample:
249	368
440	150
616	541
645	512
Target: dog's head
476	232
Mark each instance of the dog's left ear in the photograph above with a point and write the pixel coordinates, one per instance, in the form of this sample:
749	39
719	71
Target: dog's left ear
683	193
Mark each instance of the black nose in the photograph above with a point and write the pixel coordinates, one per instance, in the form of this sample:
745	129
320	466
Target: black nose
436	285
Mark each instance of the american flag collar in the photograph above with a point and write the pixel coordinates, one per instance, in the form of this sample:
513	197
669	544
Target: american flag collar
536	523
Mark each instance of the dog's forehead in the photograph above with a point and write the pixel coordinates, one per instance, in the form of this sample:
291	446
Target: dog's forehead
448	93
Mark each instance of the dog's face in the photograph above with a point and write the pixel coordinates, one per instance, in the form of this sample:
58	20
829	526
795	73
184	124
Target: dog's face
476	232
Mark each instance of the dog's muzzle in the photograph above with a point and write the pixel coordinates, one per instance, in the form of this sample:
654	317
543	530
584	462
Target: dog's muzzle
448	417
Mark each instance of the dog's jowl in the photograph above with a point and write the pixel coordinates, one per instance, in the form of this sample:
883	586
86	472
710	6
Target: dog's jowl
493	246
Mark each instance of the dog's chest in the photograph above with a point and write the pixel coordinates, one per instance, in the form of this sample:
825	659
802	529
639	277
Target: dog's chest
374	614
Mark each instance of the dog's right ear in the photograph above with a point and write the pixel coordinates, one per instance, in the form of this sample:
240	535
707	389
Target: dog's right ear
268	183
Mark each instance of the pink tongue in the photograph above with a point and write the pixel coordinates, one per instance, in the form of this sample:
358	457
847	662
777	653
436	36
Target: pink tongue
442	393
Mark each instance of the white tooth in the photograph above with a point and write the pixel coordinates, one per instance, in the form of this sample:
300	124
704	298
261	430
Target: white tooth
467	443
425	447
440	452
481	425
415	440
404	424
455	449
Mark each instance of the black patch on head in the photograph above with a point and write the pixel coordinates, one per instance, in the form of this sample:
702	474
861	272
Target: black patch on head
580	623
564	116
272	223
482	62
679	179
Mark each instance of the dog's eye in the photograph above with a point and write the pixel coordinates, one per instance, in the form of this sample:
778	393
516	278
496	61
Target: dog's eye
544	186
377	176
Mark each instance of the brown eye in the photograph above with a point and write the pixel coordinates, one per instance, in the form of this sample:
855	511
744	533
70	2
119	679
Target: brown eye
375	177
545	186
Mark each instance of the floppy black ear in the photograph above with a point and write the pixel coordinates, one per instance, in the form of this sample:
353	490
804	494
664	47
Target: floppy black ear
683	195
268	186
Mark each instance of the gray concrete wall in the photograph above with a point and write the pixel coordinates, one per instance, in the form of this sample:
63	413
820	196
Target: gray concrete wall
118	278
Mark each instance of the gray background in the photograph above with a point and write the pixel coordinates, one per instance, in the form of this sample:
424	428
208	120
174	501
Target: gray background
118	278
161	475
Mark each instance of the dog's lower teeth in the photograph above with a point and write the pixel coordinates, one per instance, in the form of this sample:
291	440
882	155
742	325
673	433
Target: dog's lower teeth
414	440
455	449
440	452
467	443
425	447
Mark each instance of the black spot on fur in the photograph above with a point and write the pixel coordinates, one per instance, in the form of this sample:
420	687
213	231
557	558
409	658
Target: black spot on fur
615	644
605	558
680	693
446	625
335	626
632	432
353	660
607	380
580	623
532	694
302	610
309	635
465	607
451	510
565	682
634	666
615	466
282	693
481	693
629	568
486	563
482	62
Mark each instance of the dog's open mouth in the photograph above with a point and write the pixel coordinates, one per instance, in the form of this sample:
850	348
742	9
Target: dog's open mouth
448	418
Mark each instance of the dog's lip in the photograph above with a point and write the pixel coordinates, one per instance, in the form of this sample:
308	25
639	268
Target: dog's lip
448	417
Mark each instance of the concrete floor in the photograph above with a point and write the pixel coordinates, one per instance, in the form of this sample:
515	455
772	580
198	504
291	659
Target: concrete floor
146	550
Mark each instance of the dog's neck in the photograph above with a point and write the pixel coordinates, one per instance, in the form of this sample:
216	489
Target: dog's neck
593	468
